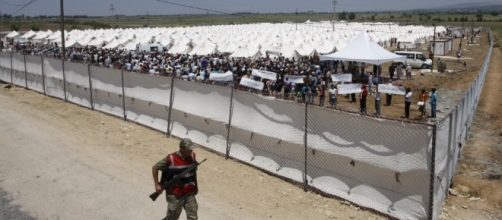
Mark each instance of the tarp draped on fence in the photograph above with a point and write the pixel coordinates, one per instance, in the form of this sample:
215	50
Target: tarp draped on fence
384	165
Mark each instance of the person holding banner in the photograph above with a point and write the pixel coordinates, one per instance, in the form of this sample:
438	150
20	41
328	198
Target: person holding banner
421	103
332	93
407	102
388	99
362	98
322	94
311	94
287	90
408	71
377	102
304	91
392	68
399	71
433	103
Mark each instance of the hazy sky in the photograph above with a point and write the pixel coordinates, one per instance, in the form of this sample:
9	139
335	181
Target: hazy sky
134	7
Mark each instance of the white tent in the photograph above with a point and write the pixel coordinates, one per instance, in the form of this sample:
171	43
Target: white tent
363	49
12	34
28	35
41	36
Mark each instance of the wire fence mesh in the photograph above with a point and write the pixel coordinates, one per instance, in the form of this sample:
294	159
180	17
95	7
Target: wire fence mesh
398	168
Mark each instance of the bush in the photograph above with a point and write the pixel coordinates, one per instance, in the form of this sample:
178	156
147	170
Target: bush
96	25
35	27
479	17
15	26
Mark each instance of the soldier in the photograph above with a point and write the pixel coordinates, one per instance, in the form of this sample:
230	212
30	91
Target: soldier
182	193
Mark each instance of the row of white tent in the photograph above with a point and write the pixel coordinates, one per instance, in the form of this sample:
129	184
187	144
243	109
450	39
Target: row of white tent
247	40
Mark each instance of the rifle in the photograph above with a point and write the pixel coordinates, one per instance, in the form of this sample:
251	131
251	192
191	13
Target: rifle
166	184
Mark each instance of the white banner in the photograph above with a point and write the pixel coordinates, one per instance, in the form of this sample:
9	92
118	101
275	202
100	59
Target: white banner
346	77
390	89
297	79
222	77
264	74
252	84
349	88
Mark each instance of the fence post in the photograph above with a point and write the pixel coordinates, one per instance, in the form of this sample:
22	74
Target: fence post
305	183
11	70
63	56
43	74
455	138
432	174
230	113
171	100
90	85
449	160
462	120
25	73
123	93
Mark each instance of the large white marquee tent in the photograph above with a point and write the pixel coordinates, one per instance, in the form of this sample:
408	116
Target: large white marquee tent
363	49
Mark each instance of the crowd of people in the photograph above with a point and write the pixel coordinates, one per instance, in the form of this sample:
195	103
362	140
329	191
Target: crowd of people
317	75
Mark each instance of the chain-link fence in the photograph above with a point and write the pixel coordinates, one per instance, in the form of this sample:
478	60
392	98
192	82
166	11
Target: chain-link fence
453	132
398	168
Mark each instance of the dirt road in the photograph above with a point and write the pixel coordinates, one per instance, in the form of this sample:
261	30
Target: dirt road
61	161
478	183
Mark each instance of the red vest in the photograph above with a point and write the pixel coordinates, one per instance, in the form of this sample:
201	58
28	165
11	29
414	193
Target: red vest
188	183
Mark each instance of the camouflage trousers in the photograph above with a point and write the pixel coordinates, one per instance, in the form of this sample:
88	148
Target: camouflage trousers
175	206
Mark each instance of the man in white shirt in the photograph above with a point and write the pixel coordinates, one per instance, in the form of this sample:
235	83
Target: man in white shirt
332	94
407	102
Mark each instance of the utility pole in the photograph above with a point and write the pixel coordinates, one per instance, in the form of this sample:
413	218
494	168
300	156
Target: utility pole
296	22
1	20
148	19
433	45
334	9
63	51
112	9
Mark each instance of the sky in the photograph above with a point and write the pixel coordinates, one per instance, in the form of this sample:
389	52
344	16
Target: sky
154	7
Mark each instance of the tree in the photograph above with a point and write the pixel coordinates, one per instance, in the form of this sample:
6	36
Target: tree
373	18
479	17
15	26
35	27
342	16
494	13
352	16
